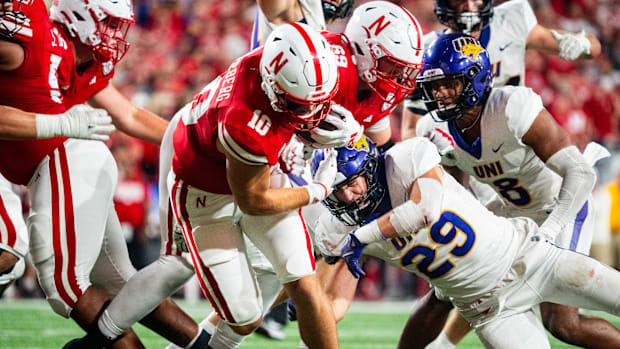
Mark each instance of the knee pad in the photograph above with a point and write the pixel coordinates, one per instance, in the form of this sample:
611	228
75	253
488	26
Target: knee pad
39	230
45	274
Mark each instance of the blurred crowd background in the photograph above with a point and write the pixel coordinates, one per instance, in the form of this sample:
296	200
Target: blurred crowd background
178	46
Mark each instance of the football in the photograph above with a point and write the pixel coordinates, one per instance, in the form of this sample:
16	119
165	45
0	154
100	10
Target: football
307	136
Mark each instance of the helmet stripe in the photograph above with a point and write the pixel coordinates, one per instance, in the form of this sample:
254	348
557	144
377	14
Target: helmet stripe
315	58
417	28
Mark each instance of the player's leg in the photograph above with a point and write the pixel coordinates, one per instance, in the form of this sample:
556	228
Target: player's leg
522	330
218	253
286	243
583	282
66	236
565	322
13	236
425	322
454	331
143	297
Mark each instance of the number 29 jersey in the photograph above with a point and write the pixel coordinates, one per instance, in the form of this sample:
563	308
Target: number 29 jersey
464	253
499	157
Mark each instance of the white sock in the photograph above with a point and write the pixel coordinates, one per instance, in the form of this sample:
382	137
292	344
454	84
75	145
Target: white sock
225	338
107	326
441	342
303	345
207	326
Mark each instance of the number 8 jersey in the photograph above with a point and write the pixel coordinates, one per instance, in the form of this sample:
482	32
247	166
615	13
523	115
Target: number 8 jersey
499	158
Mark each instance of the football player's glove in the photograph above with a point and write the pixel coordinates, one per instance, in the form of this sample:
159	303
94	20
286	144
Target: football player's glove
351	253
81	121
572	46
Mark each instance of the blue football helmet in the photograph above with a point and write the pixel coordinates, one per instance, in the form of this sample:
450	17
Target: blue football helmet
466	22
359	159
455	58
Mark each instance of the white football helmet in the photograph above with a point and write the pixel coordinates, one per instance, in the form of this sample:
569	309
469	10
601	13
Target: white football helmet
386	41
100	24
300	75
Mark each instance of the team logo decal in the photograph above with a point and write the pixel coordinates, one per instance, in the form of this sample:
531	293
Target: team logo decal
360	145
468	46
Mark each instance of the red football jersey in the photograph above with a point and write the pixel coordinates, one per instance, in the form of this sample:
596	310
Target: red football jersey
367	109
234	109
46	82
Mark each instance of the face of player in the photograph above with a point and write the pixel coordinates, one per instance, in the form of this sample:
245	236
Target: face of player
461	6
446	91
468	15
352	190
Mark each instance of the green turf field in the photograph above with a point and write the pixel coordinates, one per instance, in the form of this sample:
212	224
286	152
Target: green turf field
33	325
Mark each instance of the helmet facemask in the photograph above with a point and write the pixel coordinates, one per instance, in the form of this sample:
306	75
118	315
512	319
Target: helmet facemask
465	22
391	78
358	211
112	32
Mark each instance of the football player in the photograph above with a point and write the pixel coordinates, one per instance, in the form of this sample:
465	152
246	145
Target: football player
234	131
505	138
49	66
403	207
505	31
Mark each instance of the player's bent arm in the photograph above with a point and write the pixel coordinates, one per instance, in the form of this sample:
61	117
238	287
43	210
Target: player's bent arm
552	145
11	55
422	208
250	188
541	39
407	124
380	137
278	11
128	118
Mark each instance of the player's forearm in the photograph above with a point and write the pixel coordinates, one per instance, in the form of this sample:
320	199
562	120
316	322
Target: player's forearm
16	124
577	184
143	125
273	201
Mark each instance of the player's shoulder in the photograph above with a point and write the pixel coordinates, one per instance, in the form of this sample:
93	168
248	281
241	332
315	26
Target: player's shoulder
412	157
516	17
519	106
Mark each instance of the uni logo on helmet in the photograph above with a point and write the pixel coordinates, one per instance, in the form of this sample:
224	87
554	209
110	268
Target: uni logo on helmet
468	47
360	145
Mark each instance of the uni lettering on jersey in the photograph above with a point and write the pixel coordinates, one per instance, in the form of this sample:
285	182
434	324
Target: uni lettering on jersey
489	170
228	82
496	68
379	24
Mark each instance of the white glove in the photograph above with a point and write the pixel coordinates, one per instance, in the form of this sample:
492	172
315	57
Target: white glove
81	121
572	45
343	129
445	145
295	156
324	178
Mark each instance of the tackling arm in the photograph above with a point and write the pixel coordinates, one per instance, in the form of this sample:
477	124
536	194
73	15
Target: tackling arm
567	45
128	118
552	145
422	208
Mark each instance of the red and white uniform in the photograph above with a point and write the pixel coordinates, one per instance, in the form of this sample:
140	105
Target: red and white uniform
71	182
371	112
234	111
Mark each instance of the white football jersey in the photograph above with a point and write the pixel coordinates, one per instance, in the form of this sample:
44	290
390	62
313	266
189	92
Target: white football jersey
499	158
313	16
504	39
465	253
